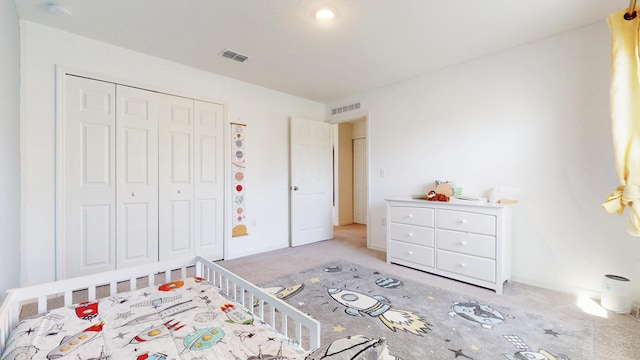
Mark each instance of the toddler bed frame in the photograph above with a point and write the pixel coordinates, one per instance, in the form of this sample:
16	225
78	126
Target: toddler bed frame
44	297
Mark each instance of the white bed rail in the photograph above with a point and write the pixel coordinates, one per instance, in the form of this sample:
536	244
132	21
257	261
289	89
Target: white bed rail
270	309
44	297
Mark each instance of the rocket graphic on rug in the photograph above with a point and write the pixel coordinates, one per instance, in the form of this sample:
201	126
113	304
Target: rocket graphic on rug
358	304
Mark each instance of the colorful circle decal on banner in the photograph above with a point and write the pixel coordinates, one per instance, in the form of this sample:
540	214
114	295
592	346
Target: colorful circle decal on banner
238	160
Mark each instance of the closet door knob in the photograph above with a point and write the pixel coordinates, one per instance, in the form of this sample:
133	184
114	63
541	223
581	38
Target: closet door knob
133	194
179	192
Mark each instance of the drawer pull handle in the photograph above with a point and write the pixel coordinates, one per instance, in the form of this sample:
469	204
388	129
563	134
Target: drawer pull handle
463	265
463	243
410	234
410	216
410	252
463	221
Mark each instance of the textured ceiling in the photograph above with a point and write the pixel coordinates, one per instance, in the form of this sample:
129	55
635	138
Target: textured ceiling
369	44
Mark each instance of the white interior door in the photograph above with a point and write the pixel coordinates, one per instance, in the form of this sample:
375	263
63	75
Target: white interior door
175	177
360	181
311	181
137	177
86	240
209	179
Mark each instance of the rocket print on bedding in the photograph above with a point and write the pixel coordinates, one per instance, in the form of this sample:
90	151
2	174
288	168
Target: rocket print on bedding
185	319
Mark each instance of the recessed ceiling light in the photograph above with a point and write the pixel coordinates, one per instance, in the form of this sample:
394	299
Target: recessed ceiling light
324	14
58	9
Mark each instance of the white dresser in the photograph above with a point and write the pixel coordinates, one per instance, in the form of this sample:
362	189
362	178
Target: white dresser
463	240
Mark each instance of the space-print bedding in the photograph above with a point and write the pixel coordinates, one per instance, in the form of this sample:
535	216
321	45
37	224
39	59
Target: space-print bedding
183	319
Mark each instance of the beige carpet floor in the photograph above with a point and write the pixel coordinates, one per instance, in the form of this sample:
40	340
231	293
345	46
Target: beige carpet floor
616	336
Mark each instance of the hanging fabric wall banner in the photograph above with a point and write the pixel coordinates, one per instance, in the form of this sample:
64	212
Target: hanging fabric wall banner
239	226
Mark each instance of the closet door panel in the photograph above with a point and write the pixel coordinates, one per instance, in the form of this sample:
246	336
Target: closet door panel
86	242
137	177
136	157
96	236
176	177
181	158
96	154
180	227
208	132
136	225
207	231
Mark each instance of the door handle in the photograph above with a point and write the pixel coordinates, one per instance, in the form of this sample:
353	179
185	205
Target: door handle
295	188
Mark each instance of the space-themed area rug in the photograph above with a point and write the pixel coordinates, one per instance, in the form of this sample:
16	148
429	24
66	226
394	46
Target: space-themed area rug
423	322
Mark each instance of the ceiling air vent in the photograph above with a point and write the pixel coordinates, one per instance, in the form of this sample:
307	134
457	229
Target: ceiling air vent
344	109
233	55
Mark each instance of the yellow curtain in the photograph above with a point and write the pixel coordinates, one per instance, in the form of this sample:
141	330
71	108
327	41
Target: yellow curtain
625	117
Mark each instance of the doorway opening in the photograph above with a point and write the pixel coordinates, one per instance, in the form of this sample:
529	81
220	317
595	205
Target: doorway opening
350	175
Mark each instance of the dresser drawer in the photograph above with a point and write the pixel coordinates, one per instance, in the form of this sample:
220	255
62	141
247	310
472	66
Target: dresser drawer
411	215
412	253
467	265
467	222
413	234
467	243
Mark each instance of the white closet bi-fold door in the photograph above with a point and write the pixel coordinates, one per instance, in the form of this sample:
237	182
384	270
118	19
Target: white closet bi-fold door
86	211
176	177
136	176
208	179
142	177
190	201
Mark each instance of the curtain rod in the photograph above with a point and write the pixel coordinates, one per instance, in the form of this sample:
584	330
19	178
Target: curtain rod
631	14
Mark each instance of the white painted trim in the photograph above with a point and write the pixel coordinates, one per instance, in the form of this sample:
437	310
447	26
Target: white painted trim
59	196
573	290
136	84
352	116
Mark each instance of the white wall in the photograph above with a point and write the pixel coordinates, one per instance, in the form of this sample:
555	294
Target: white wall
534	117
9	146
266	113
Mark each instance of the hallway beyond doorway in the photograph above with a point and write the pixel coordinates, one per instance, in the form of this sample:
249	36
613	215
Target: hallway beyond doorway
351	232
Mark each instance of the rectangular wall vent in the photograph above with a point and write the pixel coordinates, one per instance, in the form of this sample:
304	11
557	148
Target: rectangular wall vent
233	55
345	108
